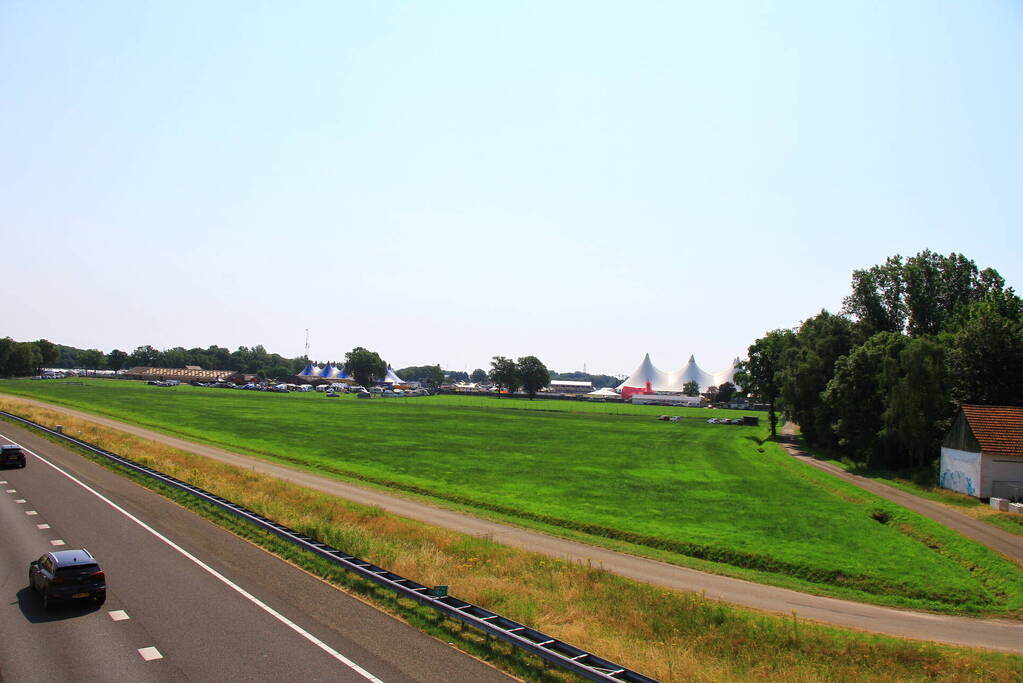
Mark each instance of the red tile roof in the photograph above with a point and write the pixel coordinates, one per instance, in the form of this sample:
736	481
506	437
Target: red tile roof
999	429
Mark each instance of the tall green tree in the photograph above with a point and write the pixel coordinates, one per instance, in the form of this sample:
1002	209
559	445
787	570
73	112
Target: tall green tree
24	359
116	359
761	373
985	358
6	347
365	366
48	352
92	359
877	297
431	375
533	374
504	374
917	407
691	388
478	375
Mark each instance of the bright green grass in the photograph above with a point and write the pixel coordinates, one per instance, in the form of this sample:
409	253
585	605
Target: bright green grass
675	490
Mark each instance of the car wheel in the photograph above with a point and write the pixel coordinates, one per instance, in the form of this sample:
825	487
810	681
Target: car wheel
47	603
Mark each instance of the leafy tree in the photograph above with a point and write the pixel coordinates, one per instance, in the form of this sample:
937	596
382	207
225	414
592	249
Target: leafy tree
691	388
116	359
532	374
279	372
456	376
144	356
504	374
986	353
761	373
6	347
917	407
806	368
478	375
92	359
48	352
725	392
430	375
24	359
365	366
877	297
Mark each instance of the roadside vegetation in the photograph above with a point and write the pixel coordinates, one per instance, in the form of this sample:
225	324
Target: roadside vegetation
672	636
713	497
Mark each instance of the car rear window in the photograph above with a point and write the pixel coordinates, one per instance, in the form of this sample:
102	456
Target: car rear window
78	570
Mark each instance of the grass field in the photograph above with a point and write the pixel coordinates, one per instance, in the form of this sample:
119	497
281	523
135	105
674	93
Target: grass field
710	496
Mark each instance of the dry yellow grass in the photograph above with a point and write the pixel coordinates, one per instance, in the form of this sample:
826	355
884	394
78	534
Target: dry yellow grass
665	634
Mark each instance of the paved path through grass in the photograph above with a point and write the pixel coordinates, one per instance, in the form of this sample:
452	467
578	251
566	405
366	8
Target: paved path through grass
983	633
1009	545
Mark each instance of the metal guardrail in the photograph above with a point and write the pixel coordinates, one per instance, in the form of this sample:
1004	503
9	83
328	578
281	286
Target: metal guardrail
558	653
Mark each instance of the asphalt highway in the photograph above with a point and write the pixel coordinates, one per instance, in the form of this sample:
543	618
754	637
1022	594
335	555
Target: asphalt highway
186	599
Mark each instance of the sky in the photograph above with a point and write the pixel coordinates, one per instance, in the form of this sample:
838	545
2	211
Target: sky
443	182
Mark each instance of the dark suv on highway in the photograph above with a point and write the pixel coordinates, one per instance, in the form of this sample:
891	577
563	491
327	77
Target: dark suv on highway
11	456
67	575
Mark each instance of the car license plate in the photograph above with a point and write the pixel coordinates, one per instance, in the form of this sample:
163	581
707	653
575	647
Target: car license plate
80	595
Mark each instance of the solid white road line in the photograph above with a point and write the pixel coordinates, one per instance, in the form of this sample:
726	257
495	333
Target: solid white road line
150	653
118	615
213	572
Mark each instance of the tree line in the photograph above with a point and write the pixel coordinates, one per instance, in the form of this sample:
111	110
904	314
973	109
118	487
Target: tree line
880	381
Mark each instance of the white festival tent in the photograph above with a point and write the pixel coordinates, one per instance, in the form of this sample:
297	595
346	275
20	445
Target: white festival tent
391	377
647	378
606	392
311	371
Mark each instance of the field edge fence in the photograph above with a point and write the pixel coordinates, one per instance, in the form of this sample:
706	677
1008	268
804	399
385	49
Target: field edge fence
552	650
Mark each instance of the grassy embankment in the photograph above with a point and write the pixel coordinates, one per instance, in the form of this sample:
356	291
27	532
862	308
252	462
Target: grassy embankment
924	483
670	635
707	496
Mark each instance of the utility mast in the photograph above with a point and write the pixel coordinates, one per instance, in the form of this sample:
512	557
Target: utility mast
307	345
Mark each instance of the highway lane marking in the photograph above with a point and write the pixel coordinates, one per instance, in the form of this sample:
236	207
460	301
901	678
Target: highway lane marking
42	526
4	481
20	501
31	512
118	615
150	653
217	575
12	490
56	541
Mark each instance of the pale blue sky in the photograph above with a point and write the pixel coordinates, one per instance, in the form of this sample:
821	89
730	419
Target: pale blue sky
443	182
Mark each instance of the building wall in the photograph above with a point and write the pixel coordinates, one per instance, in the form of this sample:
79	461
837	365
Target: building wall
1002	476
960	471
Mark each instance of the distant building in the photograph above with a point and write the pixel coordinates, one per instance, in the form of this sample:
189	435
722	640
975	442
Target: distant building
189	373
564	386
667	399
982	452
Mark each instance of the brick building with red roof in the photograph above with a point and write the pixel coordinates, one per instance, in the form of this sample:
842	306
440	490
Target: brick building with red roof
982	452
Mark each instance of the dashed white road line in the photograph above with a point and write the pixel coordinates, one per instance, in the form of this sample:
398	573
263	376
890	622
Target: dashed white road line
56	541
150	653
31	512
118	615
12	491
42	526
20	501
213	572
4	481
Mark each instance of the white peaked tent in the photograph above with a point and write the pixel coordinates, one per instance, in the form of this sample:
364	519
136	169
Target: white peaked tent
648	379
691	372
331	372
391	377
606	392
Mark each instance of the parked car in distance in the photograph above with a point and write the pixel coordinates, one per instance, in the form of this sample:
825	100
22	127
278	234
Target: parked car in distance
67	575
11	456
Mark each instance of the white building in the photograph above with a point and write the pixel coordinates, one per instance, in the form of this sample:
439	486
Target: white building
566	386
982	453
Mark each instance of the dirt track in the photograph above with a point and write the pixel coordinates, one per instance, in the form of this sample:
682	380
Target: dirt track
993	634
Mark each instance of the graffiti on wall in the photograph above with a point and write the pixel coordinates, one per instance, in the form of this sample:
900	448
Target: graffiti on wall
958	481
